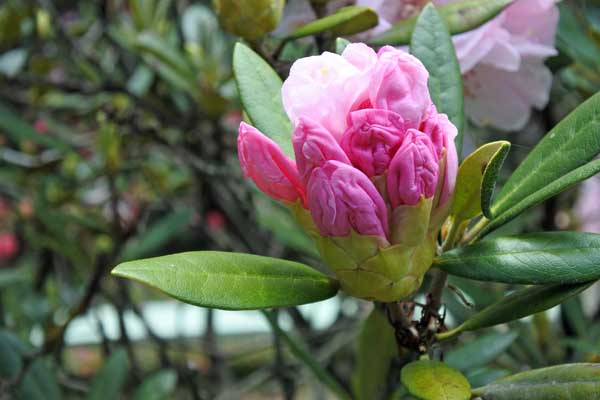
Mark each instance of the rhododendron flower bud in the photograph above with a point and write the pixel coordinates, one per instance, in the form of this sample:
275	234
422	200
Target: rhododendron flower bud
399	84
375	166
372	138
413	172
342	198
313	145
264	162
442	133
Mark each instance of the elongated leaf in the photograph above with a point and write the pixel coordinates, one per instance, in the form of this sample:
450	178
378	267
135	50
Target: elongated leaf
524	302
109	381
259	87
535	258
470	191
481	351
39	383
302	354
565	382
564	156
434	380
158	234
460	16
230	281
431	43
551	189
18	130
376	350
168	56
345	21
158	386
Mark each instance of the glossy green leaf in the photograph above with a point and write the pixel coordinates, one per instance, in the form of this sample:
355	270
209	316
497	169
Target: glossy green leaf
460	16
110	379
549	190
519	304
480	351
259	87
231	281
159	386
376	350
10	355
534	258
346	21
431	43
561	382
341	44
562	158
434	380
478	168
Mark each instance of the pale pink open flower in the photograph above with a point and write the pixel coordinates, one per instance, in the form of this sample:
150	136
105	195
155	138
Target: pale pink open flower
367	139
502	61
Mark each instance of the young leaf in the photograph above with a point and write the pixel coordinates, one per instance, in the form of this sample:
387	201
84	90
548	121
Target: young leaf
346	21
478	168
568	381
562	158
109	381
376	350
480	351
431	43
341	44
517	305
534	258
158	386
230	281
434	380
259	87
460	16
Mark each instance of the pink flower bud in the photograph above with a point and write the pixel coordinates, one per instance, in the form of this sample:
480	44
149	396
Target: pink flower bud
9	246
399	84
341	198
372	138
413	172
442	133
313	145
263	161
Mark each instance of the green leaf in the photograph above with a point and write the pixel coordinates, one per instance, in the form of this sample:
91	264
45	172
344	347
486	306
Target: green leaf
376	350
259	87
18	130
431	43
158	386
39	383
562	158
10	355
341	44
158	234
302	354
476	179
480	351
519	304
168	61
534	258
346	21
564	382
230	281
109	381
434	380
460	16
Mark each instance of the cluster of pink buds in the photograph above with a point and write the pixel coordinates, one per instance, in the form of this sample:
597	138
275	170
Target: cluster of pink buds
374	170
